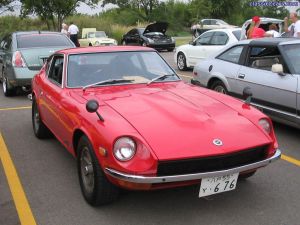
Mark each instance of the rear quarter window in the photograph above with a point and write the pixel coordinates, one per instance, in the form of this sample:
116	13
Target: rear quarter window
42	40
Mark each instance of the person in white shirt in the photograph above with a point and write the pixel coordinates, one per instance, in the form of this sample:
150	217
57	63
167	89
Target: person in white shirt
73	33
294	28
273	30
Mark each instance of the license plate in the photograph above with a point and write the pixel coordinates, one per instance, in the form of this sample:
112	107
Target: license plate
215	185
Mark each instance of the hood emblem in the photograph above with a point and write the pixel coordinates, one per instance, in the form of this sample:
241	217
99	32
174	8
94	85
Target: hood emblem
217	142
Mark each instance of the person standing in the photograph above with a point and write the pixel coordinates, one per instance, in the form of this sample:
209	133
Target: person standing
64	29
294	28
255	31
73	33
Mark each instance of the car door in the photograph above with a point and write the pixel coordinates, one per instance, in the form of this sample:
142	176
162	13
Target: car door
274	92
228	64
207	44
55	99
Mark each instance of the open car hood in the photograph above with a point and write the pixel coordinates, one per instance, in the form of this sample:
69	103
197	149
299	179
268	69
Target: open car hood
157	27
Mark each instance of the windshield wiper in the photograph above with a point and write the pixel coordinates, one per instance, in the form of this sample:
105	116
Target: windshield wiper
161	77
109	81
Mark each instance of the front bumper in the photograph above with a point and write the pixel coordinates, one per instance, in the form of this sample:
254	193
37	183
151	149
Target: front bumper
189	177
161	45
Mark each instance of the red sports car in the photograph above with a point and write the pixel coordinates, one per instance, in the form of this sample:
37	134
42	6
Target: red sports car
132	123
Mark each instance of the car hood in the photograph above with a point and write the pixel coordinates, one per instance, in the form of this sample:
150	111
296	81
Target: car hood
178	121
157	27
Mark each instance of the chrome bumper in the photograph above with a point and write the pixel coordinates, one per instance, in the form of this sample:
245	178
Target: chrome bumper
186	177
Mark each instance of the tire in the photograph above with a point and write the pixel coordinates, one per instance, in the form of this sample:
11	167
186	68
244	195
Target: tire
218	86
247	175
95	187
7	91
181	61
144	44
170	49
39	128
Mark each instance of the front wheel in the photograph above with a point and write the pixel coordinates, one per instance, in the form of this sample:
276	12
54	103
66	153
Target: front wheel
181	61
218	86
95	187
39	128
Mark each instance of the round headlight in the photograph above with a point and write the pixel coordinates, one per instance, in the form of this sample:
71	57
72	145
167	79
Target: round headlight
124	149
265	124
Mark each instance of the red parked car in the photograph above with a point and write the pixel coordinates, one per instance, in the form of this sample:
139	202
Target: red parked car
132	123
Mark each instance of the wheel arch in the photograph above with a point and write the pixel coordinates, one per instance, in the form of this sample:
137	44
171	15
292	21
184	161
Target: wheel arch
219	77
78	133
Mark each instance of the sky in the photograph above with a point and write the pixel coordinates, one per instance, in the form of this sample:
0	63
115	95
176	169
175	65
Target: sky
83	8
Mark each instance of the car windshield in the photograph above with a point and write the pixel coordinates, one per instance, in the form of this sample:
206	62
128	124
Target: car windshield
42	40
98	34
293	55
136	67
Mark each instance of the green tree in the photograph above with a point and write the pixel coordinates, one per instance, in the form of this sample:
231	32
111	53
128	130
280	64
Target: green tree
6	5
146	5
52	10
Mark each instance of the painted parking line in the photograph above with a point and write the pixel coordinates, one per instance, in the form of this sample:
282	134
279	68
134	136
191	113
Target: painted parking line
290	160
23	208
185	76
15	108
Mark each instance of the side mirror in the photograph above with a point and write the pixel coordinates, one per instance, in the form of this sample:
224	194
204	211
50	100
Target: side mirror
92	106
277	68
247	95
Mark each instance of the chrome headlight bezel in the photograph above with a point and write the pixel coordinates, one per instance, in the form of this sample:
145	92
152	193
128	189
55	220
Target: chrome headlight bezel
124	149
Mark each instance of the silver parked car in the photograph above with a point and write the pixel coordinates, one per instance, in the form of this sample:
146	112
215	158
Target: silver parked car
22	55
269	66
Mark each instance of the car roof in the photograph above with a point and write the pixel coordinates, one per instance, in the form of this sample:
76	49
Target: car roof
273	41
267	19
95	49
36	32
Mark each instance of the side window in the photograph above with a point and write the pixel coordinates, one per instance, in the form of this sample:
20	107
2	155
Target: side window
219	38
232	55
56	69
264	57
213	22
204	39
206	22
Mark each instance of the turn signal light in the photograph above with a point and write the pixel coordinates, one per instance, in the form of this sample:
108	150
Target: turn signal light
17	60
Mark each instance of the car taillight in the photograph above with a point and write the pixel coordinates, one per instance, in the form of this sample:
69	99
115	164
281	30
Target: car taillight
17	60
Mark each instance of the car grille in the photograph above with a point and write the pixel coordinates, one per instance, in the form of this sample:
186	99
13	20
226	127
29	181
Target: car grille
212	163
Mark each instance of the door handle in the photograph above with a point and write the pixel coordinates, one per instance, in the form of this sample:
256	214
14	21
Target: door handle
241	76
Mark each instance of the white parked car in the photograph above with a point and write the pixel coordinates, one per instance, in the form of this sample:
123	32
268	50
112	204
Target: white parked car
205	45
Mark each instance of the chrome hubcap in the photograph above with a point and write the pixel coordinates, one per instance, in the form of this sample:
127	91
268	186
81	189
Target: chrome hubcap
4	85
87	171
220	89
180	61
36	117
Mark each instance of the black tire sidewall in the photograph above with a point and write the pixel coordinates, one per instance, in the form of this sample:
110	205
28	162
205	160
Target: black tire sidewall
219	83
184	60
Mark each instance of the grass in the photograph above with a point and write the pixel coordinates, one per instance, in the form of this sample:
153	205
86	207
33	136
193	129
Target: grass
183	40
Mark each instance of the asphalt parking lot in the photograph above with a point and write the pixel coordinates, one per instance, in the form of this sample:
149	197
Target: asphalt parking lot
39	184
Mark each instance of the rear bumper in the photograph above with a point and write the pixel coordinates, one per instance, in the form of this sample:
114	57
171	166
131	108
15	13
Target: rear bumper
189	177
21	76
